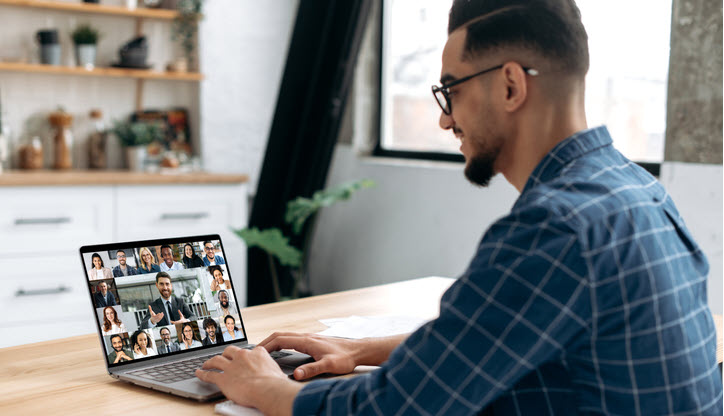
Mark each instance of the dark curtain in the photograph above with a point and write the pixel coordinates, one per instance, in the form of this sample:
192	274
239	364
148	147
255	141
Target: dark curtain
312	97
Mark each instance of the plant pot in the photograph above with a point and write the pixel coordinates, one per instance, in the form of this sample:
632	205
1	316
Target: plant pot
85	56
136	158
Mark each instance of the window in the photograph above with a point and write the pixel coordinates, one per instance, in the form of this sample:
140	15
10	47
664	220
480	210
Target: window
625	87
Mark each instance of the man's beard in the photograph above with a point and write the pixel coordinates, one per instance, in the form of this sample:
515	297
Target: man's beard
119	349
225	305
480	168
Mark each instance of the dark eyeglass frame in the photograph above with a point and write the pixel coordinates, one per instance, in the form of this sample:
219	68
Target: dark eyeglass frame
444	90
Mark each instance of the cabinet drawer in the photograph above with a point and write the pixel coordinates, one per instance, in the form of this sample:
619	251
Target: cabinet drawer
36	220
44	292
153	212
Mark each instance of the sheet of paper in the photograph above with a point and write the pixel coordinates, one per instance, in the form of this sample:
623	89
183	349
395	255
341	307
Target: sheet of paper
357	327
230	408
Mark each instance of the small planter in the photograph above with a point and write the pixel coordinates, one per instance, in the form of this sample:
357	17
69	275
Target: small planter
136	158
85	56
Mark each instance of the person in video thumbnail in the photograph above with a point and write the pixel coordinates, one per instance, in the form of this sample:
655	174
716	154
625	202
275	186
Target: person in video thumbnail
167	309
99	271
103	297
141	343
167	345
226	307
191	259
148	262
111	323
212	332
119	354
123	269
217	282
169	262
188	337
211	258
232	332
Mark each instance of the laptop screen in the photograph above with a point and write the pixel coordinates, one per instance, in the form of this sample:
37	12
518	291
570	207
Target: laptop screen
159	297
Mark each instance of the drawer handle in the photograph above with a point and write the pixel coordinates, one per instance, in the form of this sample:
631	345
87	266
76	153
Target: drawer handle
35	292
42	221
184	216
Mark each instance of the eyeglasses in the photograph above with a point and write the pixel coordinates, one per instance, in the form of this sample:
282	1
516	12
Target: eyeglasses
442	92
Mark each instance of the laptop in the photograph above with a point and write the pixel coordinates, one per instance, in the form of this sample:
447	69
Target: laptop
165	306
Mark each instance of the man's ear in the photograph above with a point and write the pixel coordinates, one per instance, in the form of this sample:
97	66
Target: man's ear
516	85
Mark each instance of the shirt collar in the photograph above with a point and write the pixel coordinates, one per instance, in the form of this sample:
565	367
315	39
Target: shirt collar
571	148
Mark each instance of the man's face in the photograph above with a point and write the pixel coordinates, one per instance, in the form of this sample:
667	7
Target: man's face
103	287
121	258
474	119
224	300
167	256
166	336
164	287
210	331
117	344
209	249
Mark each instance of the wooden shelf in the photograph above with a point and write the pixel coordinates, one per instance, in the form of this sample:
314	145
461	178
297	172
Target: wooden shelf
112	177
100	72
79	7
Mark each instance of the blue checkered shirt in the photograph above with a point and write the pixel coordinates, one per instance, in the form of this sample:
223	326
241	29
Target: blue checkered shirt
588	298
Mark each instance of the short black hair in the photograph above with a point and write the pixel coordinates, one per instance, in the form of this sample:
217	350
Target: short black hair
166	246
116	336
120	250
162	274
161	330
550	28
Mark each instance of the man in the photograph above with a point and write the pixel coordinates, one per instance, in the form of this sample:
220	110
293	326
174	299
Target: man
212	332
226	307
169	262
588	297
118	355
103	297
211	258
122	269
167	309
166	346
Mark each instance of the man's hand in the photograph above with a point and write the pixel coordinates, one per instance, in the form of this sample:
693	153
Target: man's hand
181	320
251	378
331	355
155	317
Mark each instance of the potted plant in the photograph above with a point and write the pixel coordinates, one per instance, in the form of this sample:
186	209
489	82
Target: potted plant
135	137
277	245
85	39
184	30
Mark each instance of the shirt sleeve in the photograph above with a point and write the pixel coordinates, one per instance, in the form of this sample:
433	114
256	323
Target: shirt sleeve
521	302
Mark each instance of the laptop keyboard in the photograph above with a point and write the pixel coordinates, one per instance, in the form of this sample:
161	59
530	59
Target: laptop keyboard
184	370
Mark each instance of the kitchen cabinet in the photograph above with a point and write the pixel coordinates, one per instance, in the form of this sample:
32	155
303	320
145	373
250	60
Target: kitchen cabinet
45	217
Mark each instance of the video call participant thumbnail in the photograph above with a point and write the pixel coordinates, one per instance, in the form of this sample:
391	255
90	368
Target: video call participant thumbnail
166	346
213	332
142	345
103	297
190	259
226	306
211	258
148	262
167	309
217	279
188	337
232	332
123	269
111	323
169	263
98	270
119	354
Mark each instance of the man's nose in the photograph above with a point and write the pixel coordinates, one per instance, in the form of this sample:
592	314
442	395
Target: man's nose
446	121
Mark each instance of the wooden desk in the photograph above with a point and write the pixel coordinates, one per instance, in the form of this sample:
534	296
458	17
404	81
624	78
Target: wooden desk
69	376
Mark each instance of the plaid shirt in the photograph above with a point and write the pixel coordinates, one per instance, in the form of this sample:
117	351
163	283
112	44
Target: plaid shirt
588	298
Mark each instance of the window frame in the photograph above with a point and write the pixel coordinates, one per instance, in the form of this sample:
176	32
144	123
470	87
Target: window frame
654	168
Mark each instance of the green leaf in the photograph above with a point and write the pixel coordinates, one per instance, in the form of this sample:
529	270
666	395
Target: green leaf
273	242
300	209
